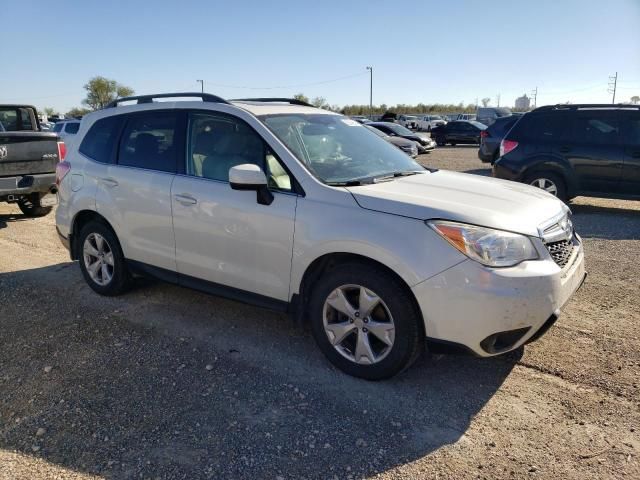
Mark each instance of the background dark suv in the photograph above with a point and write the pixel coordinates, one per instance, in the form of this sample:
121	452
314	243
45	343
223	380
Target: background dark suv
490	138
572	150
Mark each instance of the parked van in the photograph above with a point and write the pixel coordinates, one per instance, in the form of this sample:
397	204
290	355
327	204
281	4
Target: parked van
488	115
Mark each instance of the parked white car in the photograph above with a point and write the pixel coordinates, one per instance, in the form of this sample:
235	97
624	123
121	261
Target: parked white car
303	210
66	128
427	122
408	121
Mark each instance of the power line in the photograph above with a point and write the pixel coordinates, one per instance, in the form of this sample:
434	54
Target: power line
299	85
613	82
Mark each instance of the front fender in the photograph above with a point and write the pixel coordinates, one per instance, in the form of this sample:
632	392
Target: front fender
405	245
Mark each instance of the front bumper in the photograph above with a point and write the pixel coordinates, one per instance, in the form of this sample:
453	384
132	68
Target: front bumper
493	311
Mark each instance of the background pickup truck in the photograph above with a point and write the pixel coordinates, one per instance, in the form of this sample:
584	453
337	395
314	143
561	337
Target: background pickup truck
28	159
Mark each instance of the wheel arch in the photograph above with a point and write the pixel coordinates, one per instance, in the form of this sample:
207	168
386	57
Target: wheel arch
553	165
324	263
79	221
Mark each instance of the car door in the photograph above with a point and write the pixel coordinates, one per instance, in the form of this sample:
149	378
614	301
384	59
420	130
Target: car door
592	147
467	133
630	131
225	239
454	132
134	194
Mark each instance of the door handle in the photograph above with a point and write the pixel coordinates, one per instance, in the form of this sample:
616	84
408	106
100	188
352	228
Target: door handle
109	182
185	199
564	149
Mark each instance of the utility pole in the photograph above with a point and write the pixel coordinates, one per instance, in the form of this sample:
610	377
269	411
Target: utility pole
498	99
534	96
613	82
370	92
201	85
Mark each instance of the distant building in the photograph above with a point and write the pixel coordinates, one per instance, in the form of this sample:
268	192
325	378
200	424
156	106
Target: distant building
523	103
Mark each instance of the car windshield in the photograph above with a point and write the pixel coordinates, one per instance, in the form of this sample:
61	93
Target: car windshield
399	129
380	133
338	150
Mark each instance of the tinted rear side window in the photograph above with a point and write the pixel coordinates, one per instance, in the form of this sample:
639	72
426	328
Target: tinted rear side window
100	139
544	126
58	127
148	141
72	127
500	127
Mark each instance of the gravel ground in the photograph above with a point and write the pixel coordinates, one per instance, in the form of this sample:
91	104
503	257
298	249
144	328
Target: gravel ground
164	382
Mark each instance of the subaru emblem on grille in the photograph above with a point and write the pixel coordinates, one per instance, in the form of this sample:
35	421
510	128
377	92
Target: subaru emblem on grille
3	152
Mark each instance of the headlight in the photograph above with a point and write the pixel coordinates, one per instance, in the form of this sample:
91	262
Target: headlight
494	248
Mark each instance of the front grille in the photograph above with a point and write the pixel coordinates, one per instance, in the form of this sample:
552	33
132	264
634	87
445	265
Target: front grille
560	251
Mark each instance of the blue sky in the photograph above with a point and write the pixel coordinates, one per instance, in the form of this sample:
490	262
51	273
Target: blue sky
421	51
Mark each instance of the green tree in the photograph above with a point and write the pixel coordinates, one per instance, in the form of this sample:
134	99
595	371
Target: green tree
48	111
635	99
302	97
319	102
77	112
485	101
101	91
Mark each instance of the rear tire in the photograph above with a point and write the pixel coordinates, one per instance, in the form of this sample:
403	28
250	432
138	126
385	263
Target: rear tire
391	333
31	207
548	181
101	260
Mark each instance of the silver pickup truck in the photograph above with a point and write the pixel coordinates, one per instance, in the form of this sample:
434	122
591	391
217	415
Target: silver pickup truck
28	159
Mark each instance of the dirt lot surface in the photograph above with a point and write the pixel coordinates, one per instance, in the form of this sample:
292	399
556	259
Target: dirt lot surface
168	383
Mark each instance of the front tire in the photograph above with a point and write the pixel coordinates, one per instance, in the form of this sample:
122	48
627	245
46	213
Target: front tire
101	260
440	142
365	322
31	207
549	182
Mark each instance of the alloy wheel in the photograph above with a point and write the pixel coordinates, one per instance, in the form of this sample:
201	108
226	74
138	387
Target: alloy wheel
545	184
98	259
358	324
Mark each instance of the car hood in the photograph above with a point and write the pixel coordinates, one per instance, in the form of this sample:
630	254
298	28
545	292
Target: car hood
462	197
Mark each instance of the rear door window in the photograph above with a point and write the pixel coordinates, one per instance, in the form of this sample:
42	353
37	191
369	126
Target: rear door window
149	141
595	127
101	138
630	129
58	127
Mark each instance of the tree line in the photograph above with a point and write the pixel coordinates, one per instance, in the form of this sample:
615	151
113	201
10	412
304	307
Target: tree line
100	91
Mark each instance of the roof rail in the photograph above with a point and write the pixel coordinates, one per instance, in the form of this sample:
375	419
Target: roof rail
292	101
206	97
575	106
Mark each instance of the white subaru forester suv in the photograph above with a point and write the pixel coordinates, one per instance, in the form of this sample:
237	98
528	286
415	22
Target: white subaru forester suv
279	204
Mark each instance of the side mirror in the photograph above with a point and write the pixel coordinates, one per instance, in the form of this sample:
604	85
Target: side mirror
251	177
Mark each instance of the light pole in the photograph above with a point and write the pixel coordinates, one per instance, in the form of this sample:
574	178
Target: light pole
370	92
201	85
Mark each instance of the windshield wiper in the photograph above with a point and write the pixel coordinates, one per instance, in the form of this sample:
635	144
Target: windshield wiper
392	175
348	183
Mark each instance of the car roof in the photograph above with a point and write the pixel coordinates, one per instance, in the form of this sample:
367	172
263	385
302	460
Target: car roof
272	108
